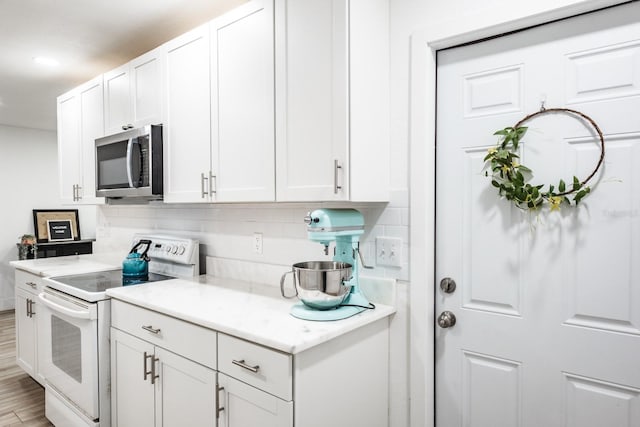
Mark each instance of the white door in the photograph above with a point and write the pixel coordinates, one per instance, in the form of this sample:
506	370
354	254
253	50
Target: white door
185	392
245	406
243	140
69	143
117	104
146	88
547	304
187	121
91	128
312	103
132	394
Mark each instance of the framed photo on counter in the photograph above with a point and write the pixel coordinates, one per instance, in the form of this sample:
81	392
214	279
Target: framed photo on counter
64	223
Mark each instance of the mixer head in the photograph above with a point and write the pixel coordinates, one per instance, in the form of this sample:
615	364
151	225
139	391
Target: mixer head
328	225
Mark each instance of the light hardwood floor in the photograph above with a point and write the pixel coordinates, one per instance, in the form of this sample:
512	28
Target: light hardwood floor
21	397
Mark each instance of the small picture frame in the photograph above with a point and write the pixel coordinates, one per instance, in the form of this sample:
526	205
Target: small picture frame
41	218
59	230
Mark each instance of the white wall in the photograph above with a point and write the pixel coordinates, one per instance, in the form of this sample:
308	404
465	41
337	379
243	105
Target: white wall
28	180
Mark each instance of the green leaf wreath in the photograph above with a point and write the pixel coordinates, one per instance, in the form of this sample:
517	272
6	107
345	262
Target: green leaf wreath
511	178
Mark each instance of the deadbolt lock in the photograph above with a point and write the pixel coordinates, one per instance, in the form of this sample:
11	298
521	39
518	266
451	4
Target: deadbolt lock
448	285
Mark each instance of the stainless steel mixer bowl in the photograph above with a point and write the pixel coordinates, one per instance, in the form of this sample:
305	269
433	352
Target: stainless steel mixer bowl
321	284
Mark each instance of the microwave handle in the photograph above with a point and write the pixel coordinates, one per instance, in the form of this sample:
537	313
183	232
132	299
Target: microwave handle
129	165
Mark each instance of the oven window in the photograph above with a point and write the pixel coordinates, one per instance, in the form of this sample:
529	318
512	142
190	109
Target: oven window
66	347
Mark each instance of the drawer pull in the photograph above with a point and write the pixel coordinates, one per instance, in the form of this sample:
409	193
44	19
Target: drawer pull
242	364
33	285
151	329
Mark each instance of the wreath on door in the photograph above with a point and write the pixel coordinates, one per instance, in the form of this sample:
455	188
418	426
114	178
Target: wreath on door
511	178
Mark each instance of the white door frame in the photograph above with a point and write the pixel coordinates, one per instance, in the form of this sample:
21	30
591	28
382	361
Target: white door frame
424	45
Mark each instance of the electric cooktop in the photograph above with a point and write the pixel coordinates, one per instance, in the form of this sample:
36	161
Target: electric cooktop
92	286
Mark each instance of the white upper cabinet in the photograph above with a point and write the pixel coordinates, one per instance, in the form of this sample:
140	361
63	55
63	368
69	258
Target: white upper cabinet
332	97
80	122
187	121
243	136
133	93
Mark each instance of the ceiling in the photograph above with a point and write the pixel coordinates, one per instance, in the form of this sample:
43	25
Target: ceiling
87	38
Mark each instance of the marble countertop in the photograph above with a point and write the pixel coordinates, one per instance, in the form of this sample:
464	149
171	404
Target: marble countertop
72	264
250	311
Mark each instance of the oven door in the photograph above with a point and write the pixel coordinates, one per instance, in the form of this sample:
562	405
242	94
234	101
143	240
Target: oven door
70	354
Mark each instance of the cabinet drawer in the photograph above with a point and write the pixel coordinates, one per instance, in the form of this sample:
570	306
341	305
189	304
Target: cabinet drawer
263	368
29	281
191	341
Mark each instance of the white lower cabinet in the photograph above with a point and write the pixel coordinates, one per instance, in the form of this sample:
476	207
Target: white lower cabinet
162	370
163	373
27	357
151	386
244	405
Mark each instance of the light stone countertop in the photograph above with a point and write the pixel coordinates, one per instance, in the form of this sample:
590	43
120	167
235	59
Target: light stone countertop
64	265
250	311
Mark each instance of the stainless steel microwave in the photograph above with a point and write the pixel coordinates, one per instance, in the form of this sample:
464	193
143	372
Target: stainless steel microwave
129	164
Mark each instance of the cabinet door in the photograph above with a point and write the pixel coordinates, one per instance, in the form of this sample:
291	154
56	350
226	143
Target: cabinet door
185	392
69	142
312	100
91	127
132	395
187	131
117	107
243	152
25	333
247	406
146	88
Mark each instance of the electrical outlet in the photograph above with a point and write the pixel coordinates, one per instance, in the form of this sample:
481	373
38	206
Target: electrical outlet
388	251
257	243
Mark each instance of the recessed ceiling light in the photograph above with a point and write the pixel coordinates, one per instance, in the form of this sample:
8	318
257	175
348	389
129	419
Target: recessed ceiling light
48	62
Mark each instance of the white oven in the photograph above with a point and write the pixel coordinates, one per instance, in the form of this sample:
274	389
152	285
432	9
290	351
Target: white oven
70	350
76	318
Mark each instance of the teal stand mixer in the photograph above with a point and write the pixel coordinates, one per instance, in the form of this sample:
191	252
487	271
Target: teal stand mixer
330	290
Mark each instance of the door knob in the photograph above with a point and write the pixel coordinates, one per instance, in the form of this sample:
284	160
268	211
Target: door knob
446	319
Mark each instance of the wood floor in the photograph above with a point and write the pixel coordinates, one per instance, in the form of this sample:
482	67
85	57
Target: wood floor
21	397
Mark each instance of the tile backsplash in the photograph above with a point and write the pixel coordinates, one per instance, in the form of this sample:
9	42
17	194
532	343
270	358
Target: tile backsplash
227	230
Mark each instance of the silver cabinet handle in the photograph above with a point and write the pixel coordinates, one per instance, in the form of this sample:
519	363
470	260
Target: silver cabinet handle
202	179
33	285
151	372
218	407
242	364
75	193
151	329
154	375
28	301
146	356
336	168
212	187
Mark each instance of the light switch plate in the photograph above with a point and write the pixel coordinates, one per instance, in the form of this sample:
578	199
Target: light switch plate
388	251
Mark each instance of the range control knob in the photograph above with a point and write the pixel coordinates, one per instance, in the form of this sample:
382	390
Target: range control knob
181	249
174	250
168	248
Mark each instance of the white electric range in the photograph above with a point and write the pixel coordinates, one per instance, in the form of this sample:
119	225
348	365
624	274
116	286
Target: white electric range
76	317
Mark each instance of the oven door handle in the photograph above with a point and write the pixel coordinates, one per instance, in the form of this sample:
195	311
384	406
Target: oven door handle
76	314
